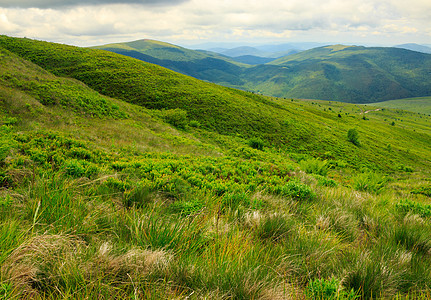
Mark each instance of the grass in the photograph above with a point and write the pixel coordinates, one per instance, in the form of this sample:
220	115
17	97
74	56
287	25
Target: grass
93	205
420	105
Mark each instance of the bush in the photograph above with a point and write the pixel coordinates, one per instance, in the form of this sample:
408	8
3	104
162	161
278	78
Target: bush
314	166
321	180
186	208
424	190
353	137
195	124
6	142
369	182
176	117
406	206
295	190
327	289
256	143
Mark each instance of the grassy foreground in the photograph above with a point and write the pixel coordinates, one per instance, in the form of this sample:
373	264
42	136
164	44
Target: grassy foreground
102	199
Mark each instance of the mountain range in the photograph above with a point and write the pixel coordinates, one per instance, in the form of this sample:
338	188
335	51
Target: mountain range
341	73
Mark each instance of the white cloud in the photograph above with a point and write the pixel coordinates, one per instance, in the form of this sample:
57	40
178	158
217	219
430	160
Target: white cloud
243	20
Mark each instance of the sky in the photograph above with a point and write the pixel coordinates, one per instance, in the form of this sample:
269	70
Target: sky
190	22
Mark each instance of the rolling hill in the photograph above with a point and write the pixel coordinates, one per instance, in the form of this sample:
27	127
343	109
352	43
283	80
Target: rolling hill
340	73
420	105
346	73
223	110
121	179
203	65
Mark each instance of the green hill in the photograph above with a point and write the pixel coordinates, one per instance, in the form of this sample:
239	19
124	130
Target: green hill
226	111
120	179
346	73
420	105
203	65
339	73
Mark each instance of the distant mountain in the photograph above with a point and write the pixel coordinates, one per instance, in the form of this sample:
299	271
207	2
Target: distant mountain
241	51
341	73
203	65
252	60
345	73
415	47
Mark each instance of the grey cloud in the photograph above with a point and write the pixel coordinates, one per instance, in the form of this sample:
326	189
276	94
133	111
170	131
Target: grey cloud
72	3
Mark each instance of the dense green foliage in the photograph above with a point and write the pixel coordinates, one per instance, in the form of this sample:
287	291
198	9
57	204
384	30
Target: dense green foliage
100	198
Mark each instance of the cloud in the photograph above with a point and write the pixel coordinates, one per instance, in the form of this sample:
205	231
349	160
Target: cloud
91	22
73	3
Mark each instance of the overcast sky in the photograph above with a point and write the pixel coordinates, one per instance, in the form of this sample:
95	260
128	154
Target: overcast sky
186	22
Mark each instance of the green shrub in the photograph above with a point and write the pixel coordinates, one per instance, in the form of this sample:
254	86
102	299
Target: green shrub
406	206
195	124
76	168
234	200
186	208
323	181
6	142
314	166
369	182
424	190
353	137
327	289
256	143
176	117
295	190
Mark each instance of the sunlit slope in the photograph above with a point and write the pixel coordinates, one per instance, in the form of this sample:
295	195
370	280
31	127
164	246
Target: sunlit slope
203	65
286	126
35	100
420	105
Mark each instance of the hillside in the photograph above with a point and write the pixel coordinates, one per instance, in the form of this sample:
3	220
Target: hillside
340	73
203	65
415	47
224	110
346	73
420	105
120	179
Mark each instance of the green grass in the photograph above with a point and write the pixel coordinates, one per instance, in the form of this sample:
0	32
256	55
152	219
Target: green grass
143	205
421	105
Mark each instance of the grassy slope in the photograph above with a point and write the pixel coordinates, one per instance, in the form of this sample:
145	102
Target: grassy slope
224	110
419	105
203	65
98	197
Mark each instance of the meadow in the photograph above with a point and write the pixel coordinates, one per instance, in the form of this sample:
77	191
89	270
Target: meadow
111	189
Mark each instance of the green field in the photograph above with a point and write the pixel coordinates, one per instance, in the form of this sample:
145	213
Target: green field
123	180
420	105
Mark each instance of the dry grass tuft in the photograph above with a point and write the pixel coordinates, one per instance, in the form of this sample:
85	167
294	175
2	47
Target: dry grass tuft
47	263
